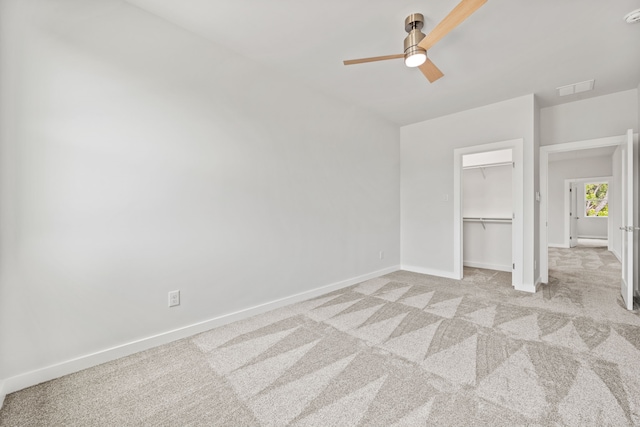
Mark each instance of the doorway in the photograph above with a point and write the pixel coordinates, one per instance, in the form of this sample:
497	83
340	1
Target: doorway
514	147
487	209
627	201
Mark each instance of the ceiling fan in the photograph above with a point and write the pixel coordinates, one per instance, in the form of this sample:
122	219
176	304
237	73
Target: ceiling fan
416	43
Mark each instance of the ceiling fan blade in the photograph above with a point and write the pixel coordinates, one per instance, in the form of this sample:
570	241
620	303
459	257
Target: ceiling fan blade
372	59
430	71
462	11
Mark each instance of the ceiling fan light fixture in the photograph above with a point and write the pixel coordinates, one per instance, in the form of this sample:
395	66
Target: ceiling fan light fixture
417	43
415	58
632	17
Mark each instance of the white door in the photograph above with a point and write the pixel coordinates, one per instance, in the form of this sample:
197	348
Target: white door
573	215
627	228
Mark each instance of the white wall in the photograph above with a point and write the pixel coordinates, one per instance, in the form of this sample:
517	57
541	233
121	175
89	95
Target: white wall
486	193
487	247
559	171
591	118
138	158
593	228
427	179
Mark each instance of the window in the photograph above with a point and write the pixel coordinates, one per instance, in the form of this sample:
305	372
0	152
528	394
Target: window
596	199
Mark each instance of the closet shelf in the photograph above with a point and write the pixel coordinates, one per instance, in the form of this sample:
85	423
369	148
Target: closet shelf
483	167
490	165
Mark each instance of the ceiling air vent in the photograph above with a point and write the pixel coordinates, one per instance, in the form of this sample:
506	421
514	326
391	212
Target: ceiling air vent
575	88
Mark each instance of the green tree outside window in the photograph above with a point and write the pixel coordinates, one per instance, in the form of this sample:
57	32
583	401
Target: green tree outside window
597	202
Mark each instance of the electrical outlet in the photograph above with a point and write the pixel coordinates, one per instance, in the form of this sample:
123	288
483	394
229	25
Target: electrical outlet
381	254
174	298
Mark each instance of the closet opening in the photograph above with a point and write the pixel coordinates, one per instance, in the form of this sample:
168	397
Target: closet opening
487	210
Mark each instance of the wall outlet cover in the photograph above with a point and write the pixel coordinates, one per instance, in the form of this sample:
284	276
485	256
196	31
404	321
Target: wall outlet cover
174	298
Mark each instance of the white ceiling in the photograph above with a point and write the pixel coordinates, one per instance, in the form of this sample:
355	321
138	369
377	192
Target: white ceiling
508	48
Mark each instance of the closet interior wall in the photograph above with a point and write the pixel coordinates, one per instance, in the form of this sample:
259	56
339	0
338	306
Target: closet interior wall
487	210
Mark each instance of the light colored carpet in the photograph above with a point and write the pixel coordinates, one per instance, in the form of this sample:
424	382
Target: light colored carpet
402	350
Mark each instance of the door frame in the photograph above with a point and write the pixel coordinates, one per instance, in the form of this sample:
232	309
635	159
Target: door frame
627	284
544	188
572	208
516	146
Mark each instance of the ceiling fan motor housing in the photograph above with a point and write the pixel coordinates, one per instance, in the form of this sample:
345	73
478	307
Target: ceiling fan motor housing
412	25
413	21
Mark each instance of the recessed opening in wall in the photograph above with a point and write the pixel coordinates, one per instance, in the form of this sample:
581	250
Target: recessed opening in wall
474	207
616	171
487	211
580	197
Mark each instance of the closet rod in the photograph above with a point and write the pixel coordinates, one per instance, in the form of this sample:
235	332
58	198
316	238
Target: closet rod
488	166
487	219
482	221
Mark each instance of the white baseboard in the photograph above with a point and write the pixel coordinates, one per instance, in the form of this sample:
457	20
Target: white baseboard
558	245
429	271
498	267
594	237
3	393
528	287
28	379
617	254
538	283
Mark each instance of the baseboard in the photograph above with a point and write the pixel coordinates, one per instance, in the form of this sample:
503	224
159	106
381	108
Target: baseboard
528	287
593	237
558	245
429	271
28	379
531	288
538	283
617	254
3	394
487	266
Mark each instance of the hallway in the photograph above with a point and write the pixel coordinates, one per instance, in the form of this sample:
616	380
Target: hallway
586	280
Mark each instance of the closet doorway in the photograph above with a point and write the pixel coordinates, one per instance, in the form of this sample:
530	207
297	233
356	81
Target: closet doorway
488	208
